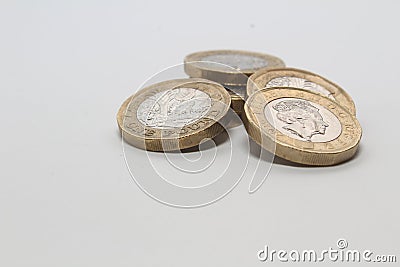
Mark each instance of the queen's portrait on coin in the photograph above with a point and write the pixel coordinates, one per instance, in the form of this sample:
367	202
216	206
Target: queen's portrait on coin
301	118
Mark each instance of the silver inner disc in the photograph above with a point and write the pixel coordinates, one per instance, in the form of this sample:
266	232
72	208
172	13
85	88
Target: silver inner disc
303	120
295	82
236	61
174	108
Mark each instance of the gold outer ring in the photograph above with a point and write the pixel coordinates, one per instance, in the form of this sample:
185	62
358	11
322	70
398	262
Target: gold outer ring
236	111
237	103
170	139
309	153
238	95
260	79
195	69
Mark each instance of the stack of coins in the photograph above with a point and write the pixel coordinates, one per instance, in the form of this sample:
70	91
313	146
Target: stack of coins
231	68
298	115
174	114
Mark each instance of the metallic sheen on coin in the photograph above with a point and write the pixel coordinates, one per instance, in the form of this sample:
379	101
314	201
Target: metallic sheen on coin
306	127
234	66
238	96
296	78
174	114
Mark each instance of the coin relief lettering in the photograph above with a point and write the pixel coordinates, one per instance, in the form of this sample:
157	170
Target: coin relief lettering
296	82
173	108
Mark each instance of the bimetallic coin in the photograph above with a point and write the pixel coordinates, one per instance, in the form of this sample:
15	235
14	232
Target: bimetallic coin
228	67
306	127
238	94
174	114
296	78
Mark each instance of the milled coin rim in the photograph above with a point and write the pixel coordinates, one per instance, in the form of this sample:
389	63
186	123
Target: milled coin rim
332	152
226	77
155	139
260	79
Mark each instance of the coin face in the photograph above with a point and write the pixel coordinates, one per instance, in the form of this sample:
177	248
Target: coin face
173	108
228	67
236	61
296	78
317	123
307	128
173	115
296	82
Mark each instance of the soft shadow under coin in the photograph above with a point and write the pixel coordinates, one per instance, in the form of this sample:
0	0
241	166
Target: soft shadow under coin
260	172
281	161
265	155
260	153
209	144
234	121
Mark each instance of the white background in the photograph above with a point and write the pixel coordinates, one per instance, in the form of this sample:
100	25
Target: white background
66	197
